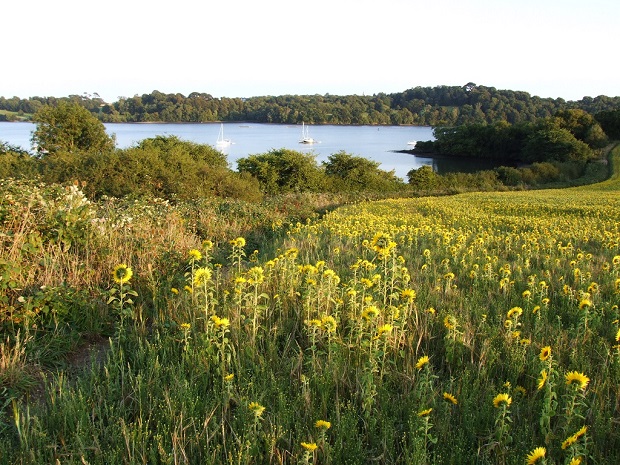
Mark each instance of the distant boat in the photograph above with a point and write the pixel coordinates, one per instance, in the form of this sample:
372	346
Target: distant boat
305	137
221	142
412	143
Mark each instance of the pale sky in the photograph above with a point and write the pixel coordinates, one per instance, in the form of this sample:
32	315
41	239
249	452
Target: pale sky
241	48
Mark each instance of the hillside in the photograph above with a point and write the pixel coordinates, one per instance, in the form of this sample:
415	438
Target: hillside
479	327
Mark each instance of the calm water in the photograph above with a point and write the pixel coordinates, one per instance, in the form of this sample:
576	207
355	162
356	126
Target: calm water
371	142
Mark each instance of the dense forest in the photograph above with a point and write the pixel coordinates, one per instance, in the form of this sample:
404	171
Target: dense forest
423	106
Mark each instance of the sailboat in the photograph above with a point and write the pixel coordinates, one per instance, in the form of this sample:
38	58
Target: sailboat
221	142
305	137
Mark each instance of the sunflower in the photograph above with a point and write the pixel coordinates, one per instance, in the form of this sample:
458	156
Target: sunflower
575	461
574	438
502	399
329	323
585	303
314	323
581	432
382	243
577	379
543	379
322	424
569	442
256	408
408	294
449	398
384	329
425	413
370	312
449	322
545	353
202	276
309	446
255	276
195	255
421	362
220	322
536	455
515	311
122	274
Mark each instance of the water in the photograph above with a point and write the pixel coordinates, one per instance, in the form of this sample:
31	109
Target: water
372	142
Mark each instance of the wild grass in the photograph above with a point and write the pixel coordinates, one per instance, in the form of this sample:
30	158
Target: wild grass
474	328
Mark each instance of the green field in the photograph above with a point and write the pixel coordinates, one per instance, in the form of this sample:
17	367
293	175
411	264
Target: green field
473	328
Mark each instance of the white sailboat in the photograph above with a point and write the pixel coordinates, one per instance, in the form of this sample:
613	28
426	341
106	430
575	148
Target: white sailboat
221	142
305	137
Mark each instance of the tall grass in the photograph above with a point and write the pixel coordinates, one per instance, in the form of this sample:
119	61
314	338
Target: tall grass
476	328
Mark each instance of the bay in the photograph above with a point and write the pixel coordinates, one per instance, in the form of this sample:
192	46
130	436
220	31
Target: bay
377	143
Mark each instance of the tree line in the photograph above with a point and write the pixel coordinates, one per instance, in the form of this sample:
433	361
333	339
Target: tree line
72	144
422	106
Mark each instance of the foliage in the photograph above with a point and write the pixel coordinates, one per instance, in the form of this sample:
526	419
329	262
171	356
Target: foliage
424	106
69	127
283	171
555	145
354	174
610	122
16	162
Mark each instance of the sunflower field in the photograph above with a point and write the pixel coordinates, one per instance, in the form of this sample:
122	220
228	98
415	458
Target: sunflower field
473	328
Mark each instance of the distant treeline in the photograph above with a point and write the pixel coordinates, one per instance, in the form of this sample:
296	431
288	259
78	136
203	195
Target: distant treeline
423	106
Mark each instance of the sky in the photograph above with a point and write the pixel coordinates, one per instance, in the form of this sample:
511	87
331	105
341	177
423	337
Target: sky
245	48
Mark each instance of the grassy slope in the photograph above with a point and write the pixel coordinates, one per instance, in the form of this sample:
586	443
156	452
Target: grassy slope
163	394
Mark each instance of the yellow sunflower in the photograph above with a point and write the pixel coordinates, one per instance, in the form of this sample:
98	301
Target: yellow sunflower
425	413
384	329
309	446
449	322
421	362
202	276
122	274
515	311
449	398
220	322
585	303
502	399
322	424
256	408
543	379
577	379
545	353
536	455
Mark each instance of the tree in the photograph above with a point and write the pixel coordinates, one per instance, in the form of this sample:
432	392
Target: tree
359	174
283	170
71	128
15	162
610	122
424	178
582	125
556	144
